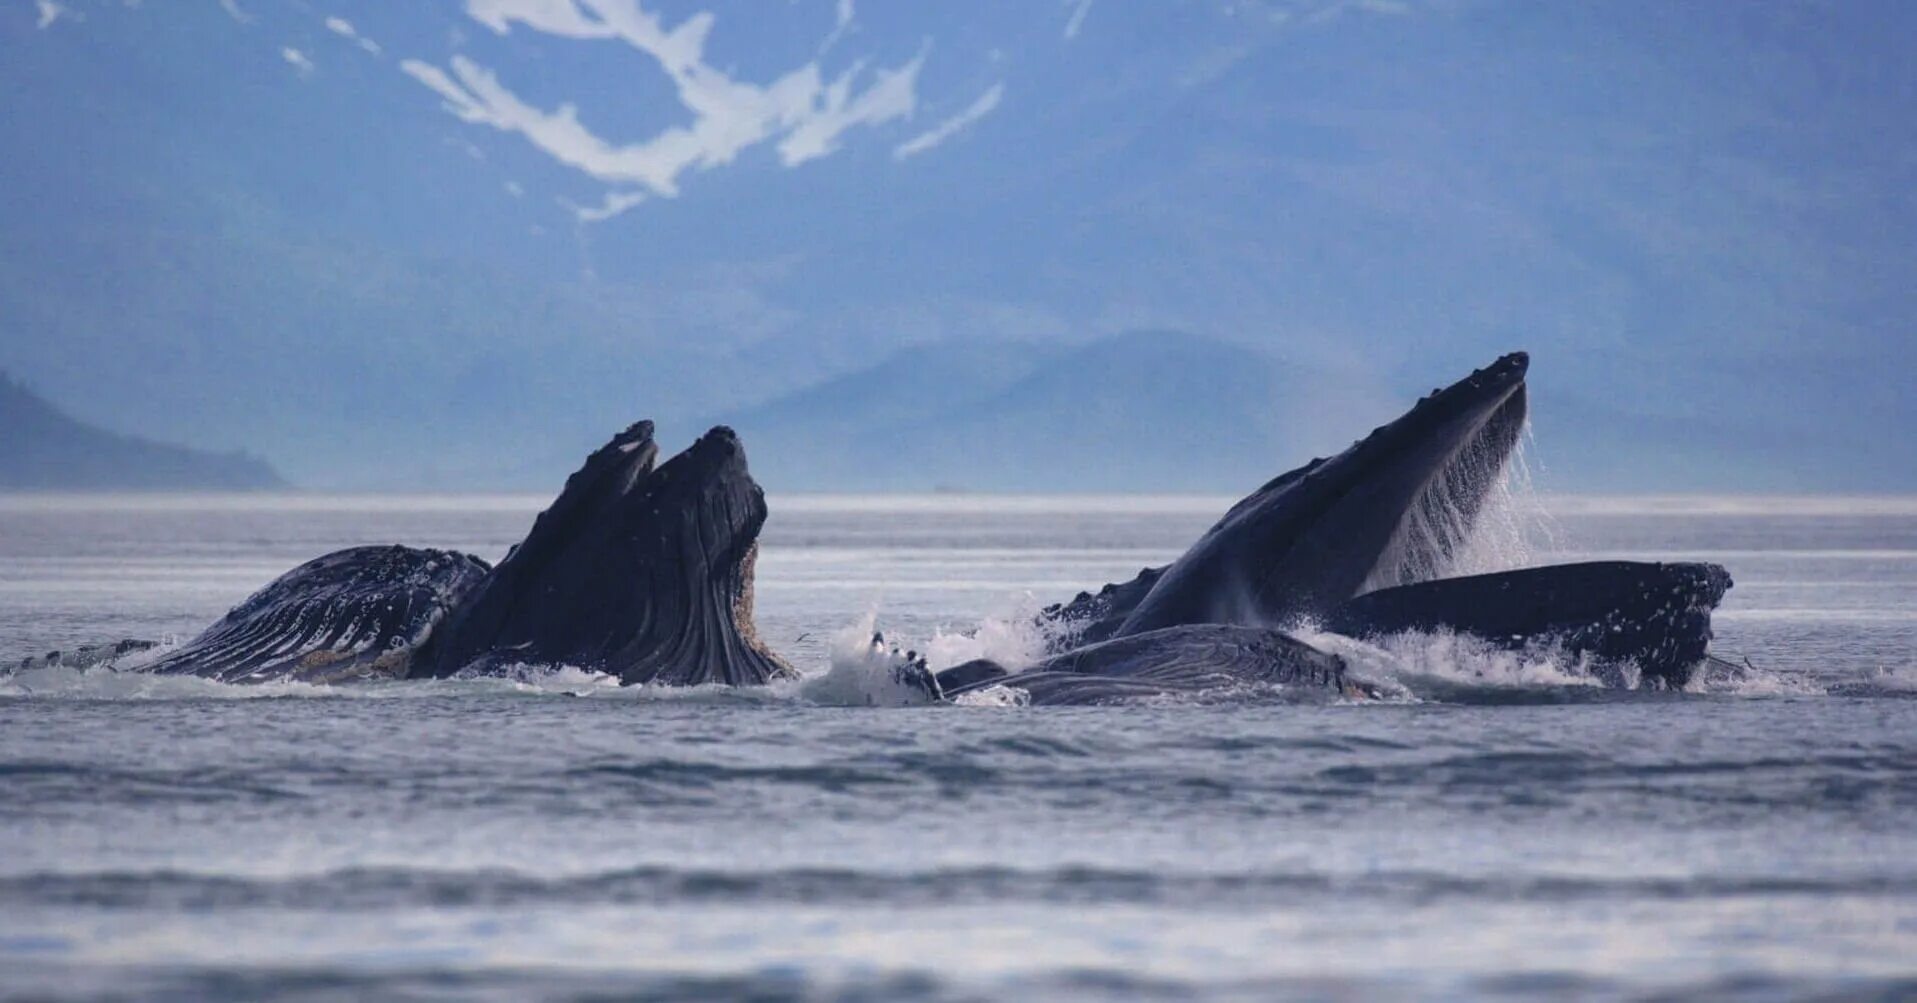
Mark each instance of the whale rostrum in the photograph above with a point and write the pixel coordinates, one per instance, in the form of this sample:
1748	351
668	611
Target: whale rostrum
644	571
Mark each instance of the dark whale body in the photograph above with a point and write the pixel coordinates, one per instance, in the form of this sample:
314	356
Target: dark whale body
355	614
1210	660
642	573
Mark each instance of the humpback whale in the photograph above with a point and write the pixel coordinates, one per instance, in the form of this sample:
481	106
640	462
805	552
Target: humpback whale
1358	544
641	573
644	571
1392	509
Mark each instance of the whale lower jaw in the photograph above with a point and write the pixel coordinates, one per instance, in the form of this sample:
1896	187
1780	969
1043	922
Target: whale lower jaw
1653	616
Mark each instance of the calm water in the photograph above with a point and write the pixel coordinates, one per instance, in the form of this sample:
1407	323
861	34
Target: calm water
1503	830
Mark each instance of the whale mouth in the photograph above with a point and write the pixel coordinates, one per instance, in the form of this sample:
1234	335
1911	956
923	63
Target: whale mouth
1466	435
1397	506
1401	504
638	571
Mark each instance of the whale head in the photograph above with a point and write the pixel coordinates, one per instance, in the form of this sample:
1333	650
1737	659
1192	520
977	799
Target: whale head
636	570
706	512
1395	507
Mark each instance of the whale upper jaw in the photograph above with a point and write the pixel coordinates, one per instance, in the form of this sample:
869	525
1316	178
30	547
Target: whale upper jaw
640	571
1396	506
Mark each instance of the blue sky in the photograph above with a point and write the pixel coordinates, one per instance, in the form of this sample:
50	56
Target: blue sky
455	244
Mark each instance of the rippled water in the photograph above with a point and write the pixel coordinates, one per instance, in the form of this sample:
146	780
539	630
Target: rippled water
1505	830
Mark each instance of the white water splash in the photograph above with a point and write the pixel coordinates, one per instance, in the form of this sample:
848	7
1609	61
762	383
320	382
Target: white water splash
1015	637
994	696
1444	537
124	682
864	670
61	682
1719	677
1902	679
1513	525
1443	666
566	679
1417	665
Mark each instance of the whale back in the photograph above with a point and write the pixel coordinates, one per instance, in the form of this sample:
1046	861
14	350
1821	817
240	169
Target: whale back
1201	661
360	613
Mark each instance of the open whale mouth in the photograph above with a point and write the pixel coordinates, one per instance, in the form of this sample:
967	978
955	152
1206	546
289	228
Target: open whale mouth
1397	506
641	572
706	512
1445	457
1401	504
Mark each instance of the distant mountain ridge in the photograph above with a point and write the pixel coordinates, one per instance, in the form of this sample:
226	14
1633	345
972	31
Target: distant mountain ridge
44	449
1171	411
1141	411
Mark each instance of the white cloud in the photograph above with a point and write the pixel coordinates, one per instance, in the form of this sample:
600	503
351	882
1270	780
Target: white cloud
614	204
344	29
49	13
893	96
232	8
841	22
1077	20
952	126
803	112
514	189
297	60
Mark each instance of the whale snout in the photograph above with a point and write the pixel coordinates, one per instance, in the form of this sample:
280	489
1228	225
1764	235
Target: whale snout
716	462
1507	371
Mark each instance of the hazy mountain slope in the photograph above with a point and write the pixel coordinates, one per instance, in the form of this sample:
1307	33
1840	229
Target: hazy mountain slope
907	386
1142	411
44	449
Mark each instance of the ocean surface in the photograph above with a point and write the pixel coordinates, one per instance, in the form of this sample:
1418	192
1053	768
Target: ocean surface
1502	828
